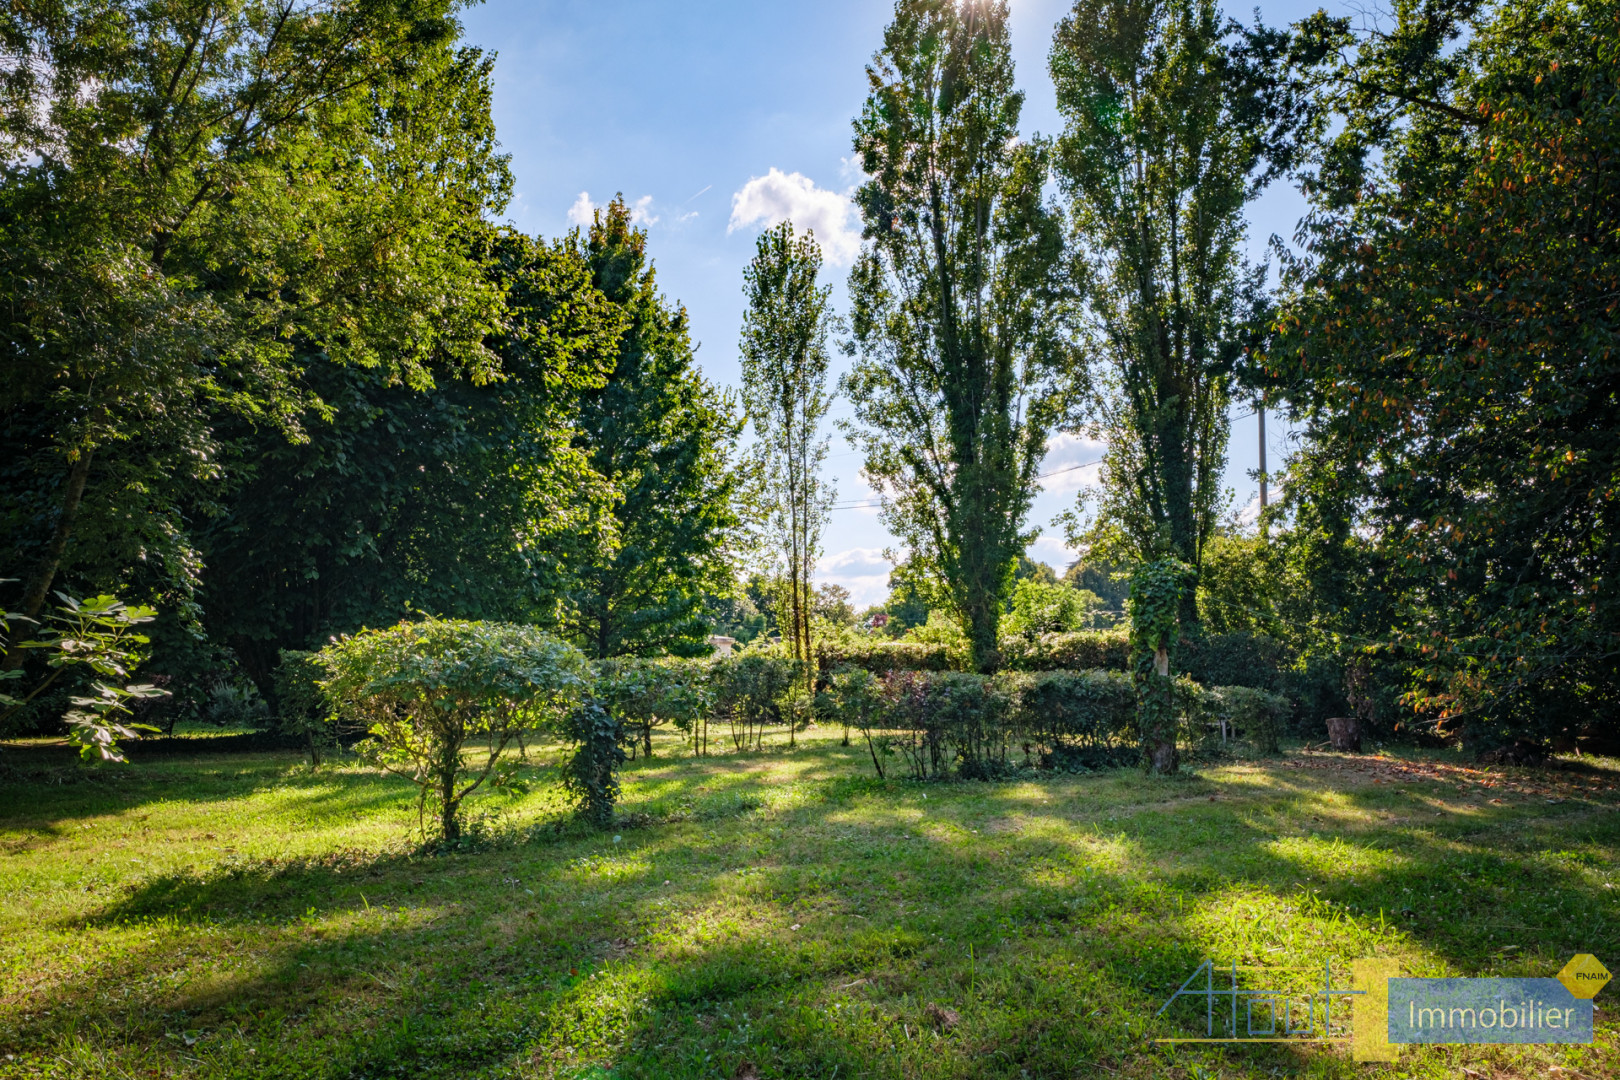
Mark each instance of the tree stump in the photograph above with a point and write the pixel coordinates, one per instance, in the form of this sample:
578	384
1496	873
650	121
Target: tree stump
1344	732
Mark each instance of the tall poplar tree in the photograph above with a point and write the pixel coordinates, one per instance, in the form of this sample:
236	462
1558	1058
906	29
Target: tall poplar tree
964	363
784	369
1170	130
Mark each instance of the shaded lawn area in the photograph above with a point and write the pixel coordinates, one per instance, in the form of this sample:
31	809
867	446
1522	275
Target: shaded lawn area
774	915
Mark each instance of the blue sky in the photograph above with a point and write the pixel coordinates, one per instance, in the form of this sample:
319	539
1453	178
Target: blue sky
716	118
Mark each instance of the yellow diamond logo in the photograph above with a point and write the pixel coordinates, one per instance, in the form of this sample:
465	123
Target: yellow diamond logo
1584	976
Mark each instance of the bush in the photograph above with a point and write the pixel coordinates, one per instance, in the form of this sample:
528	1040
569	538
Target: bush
592	776
1258	716
1048	607
879	657
302	712
1084	650
425	690
1238	658
646	693
752	691
236	705
1077	719
855	699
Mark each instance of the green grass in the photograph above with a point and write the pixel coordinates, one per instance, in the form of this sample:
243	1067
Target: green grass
772	915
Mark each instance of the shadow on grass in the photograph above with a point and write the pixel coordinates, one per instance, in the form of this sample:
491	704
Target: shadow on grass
809	937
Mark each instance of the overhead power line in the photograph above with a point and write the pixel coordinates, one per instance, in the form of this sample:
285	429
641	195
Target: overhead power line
1043	476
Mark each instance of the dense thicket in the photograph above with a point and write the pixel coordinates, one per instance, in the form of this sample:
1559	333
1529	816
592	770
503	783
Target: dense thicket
1450	345
464	500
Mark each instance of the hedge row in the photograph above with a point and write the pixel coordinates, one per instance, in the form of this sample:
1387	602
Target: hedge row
941	724
1235	659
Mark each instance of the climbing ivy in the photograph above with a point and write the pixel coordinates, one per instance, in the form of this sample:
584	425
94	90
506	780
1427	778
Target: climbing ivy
592	775
1157	590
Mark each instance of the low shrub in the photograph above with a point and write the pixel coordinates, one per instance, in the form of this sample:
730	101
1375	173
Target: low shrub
236	705
959	724
752	691
592	773
1076	719
1081	650
855	699
430	692
1256	716
1238	658
644	694
301	709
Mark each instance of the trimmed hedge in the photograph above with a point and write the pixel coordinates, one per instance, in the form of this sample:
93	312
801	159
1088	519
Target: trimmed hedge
1233	659
1236	659
958	724
953	723
880	657
1080	650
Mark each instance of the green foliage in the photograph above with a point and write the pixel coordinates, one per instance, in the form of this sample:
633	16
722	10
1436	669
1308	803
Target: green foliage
1259	716
592	773
1112	588
966	725
235	704
1077	719
784	372
1082	650
1237	586
643	694
467	500
1450	347
1158	592
426	690
95	638
857	702
1237	659
1042	607
1168	131
754	690
878	656
301	708
660	436
189	199
964	361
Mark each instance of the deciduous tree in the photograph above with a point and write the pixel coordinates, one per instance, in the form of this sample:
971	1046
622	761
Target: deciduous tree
965	362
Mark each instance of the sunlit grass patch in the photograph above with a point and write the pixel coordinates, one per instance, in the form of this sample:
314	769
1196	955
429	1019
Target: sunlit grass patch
781	910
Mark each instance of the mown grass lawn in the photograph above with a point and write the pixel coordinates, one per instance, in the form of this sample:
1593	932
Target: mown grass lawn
772	915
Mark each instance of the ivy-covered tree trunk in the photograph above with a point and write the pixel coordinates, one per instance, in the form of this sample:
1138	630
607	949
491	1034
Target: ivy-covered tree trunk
449	765
593	772
1157	593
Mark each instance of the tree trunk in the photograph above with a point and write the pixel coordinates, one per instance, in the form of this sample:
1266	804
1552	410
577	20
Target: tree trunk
448	822
1163	757
38	586
39	583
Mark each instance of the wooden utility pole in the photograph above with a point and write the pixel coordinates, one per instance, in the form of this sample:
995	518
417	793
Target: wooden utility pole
1261	412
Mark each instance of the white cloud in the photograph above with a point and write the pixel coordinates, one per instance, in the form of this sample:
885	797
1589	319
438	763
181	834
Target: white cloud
1064	453
863	571
777	196
641	212
582	211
